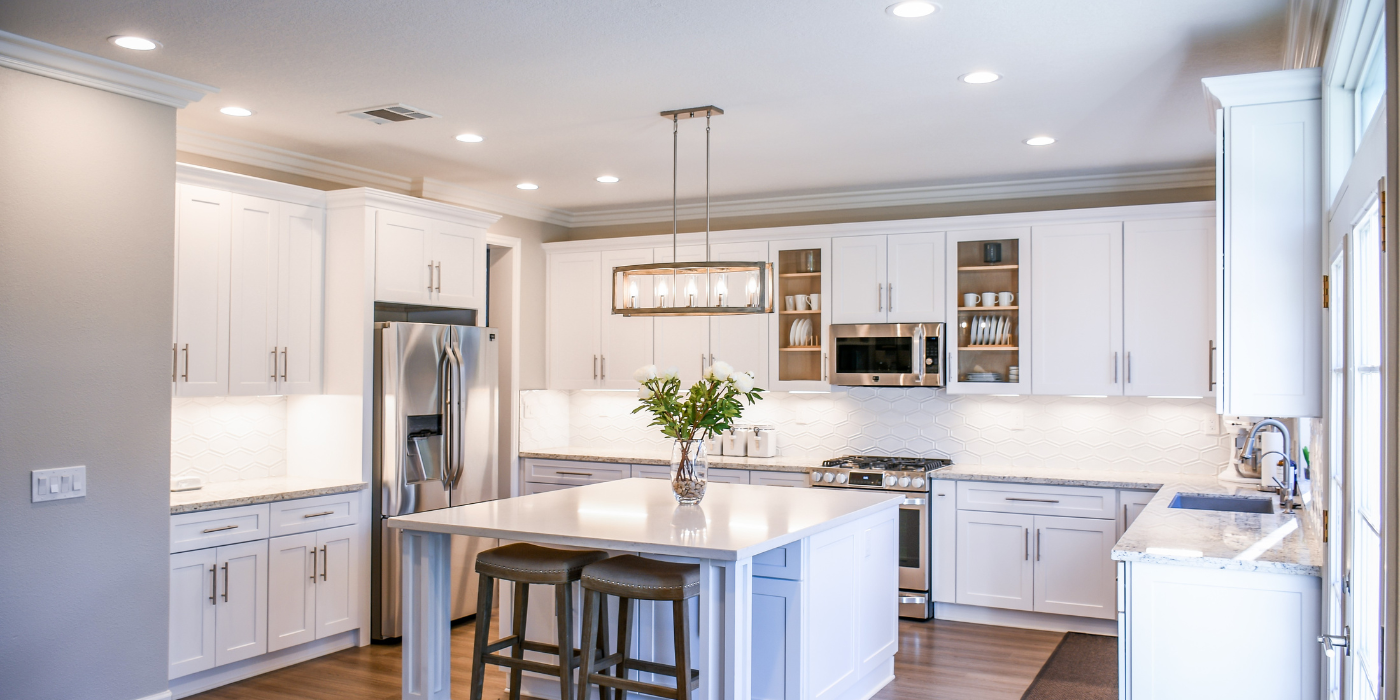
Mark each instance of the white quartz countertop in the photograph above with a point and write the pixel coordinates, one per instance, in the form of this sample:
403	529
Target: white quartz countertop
594	454
734	521
253	491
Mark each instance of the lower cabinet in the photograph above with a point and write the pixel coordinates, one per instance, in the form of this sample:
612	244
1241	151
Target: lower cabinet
218	606
777	629
311	586
1043	563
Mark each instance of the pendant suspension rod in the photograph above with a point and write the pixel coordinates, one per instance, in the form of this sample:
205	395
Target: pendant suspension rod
675	172
707	185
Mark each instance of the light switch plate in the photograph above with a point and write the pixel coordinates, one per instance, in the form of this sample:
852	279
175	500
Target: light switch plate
54	484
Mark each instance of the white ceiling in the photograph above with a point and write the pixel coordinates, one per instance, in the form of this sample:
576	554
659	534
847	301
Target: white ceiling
820	95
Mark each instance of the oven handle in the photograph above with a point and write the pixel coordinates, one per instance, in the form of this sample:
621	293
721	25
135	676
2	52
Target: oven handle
913	599
914	502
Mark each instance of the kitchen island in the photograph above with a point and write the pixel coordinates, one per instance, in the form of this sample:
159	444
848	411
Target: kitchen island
834	637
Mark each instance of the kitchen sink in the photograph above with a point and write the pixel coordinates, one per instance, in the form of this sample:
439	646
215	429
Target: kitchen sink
1229	504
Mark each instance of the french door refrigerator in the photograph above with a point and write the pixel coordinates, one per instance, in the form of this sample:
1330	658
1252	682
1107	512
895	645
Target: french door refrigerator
435	399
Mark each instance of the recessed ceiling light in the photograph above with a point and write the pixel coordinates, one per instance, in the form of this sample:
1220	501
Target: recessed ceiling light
527	186
135	43
468	138
1039	141
237	111
978	77
607	178
910	9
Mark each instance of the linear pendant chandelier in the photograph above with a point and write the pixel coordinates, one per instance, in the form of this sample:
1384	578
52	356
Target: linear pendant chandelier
692	288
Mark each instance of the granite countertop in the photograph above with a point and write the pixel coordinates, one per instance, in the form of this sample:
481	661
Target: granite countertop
253	491
1144	481
593	454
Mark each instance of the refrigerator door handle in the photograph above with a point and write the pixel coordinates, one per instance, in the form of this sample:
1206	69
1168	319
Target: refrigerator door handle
453	449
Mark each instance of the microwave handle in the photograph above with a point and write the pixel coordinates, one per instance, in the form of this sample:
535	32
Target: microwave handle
918	349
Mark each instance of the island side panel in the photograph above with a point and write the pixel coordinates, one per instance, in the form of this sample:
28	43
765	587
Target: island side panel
725	657
427	612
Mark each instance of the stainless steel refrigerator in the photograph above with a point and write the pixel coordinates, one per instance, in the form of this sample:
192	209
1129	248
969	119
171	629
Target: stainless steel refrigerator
435	402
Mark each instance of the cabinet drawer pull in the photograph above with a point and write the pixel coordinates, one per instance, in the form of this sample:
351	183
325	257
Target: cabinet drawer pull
284	364
317	515
1031	500
1037	544
313	563
1027	532
573	473
225	582
219	529
186	375
1210	366
430	277
274	364
325	564
214	585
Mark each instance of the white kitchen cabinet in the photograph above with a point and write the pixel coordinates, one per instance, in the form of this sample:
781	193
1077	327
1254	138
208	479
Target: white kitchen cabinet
291	590
625	343
193	578
275	309
680	341
201	340
459	259
1269	212
240	613
574	319
1168	306
969	272
801	266
994	560
887	279
428	261
1130	505
337	590
1074	571
943	516
777	635
741	340
719	476
787	479
1077	323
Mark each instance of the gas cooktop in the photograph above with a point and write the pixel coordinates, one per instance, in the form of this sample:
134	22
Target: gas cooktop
878	472
898	464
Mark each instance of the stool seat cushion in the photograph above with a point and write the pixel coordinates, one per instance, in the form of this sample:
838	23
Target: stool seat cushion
531	563
631	576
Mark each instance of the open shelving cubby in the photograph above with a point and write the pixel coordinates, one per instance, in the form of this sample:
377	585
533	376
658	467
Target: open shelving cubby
975	275
799	272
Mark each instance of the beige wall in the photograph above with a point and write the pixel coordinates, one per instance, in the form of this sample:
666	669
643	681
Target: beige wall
87	225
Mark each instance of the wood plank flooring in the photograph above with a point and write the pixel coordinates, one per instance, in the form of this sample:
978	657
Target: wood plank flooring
937	660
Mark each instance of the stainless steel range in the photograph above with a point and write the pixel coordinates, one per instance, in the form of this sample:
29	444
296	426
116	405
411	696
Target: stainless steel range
901	474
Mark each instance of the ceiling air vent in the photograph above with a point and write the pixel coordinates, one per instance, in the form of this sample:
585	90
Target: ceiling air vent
386	114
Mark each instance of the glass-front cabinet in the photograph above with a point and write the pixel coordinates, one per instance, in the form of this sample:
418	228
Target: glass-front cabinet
989	331
801	315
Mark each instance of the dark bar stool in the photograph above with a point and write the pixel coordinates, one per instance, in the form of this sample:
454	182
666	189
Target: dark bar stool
523	564
631	578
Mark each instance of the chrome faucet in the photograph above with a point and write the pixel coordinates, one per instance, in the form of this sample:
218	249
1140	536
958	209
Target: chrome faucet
1289	487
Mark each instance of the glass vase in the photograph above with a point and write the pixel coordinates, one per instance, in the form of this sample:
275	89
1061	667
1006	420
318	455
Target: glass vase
688	471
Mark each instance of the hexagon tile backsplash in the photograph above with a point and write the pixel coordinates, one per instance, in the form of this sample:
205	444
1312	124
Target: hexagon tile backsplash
1125	434
228	438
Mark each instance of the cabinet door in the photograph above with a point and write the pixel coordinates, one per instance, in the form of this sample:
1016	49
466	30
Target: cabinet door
202	233
402	245
683	342
459	254
915	278
192	612
858	290
625	343
777	639
994	560
291	590
253	266
1074	570
1130	507
337	590
943	512
800	368
573	319
241	607
1077	282
300	307
1168	306
742	341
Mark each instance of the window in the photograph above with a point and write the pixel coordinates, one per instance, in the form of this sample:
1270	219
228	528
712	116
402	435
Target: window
1370	90
1366	428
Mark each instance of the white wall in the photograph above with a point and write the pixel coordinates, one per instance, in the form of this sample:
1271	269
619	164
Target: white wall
87	201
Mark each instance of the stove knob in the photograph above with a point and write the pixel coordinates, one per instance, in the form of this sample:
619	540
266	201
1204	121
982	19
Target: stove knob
841	478
828	477
918	482
816	475
903	481
890	481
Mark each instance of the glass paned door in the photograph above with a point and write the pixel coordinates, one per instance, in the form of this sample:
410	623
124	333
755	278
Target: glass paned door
1364	456
1336	463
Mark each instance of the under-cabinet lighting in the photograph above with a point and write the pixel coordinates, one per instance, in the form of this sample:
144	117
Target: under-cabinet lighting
1088	396
1176	397
809	392
1004	394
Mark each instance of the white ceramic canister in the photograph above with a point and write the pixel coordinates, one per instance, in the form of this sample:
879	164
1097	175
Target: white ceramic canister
763	441
736	442
714	445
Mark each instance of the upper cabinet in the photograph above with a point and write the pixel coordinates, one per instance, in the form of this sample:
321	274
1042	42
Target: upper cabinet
202	233
1077	330
430	262
990	335
741	340
798	356
1168	307
1269	210
887	279
682	342
575	312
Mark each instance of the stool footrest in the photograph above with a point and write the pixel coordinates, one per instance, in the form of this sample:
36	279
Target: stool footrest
523	664
653	667
640	687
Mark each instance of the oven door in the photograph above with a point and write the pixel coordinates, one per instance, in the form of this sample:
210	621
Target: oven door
886	354
914	532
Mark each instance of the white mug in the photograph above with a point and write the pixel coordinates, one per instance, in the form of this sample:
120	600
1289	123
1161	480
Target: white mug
989	298
1005	298
970	299
802	302
815	301
788	303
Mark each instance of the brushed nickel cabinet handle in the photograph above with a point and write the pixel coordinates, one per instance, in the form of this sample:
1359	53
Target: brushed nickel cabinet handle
880	297
1037	544
1027	532
214	585
889	295
284	364
1030	500
1115	368
317	515
219	529
274	364
595	366
1210	366
174	361
187	362
430	276
574	473
325	563
439	276
313	563
225	582
1128	367
604	364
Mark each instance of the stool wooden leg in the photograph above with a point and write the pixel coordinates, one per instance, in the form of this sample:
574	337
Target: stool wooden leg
602	616
624	641
590	639
522	601
681	626
485	590
564	615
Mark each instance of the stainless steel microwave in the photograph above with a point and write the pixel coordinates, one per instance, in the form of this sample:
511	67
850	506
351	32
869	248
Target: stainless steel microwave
886	354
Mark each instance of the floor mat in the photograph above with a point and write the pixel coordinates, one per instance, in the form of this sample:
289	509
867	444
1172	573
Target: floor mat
1083	667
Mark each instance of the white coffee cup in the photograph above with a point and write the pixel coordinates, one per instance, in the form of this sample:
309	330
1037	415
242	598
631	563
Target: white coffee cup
989	298
815	301
1005	298
970	299
788	303
802	302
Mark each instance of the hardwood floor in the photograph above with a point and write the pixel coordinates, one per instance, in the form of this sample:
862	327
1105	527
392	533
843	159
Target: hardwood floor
937	660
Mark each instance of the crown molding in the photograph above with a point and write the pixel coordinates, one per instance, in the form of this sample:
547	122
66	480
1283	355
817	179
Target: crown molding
1263	88
1309	23
369	197
31	56
249	153
442	191
186	174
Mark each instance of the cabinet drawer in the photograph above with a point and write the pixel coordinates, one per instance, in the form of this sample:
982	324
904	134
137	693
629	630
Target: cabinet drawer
319	513
549	471
792	479
780	562
215	528
1072	501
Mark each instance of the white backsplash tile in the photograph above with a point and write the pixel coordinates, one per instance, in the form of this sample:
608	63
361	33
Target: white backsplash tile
1131	434
229	438
545	419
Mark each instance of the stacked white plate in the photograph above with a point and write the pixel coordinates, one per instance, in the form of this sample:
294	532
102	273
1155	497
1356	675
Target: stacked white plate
983	376
990	330
800	335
